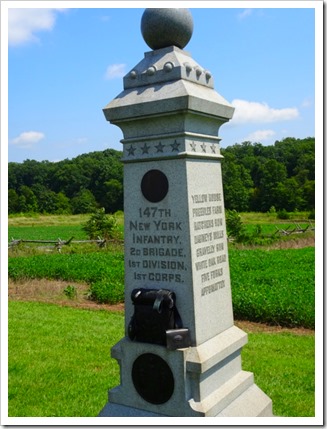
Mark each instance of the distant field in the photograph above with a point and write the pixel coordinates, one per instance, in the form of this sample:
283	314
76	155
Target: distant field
271	286
51	227
53	220
55	231
41	227
38	219
256	217
44	232
46	220
274	286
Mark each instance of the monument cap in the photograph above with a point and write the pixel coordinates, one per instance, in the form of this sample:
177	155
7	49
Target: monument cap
166	27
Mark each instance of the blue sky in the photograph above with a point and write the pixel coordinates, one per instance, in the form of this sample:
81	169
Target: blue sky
66	63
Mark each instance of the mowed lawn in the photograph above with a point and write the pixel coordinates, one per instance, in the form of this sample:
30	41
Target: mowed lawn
59	359
60	365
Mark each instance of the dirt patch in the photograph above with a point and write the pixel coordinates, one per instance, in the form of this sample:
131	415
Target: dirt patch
253	327
53	292
295	242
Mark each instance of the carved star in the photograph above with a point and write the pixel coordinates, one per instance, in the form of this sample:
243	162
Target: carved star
145	149
131	150
203	147
174	146
213	148
193	146
160	147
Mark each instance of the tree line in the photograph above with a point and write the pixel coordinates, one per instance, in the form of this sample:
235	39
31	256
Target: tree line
281	176
255	178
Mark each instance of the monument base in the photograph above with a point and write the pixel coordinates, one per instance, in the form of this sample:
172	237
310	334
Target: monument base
252	403
208	381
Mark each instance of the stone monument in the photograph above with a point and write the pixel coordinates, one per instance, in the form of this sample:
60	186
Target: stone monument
175	239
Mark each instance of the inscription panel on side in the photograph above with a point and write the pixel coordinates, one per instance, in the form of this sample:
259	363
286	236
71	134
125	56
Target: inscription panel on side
209	240
156	253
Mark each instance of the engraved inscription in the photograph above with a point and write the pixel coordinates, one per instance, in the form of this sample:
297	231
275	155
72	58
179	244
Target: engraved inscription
209	241
156	252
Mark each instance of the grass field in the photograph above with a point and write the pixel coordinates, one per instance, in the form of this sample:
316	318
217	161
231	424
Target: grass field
275	286
52	227
59	363
272	218
46	220
59	357
47	232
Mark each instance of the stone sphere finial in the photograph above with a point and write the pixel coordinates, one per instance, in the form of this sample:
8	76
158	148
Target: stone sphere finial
166	27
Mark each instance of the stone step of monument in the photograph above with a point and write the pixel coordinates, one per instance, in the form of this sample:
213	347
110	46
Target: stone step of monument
221	398
252	403
202	358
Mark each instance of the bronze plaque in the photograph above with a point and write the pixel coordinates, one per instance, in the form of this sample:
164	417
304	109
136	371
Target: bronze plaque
154	186
152	378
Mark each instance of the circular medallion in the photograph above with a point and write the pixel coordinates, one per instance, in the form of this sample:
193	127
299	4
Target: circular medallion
154	186
152	378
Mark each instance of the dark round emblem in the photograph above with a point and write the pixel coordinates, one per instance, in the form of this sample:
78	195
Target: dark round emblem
154	186
153	378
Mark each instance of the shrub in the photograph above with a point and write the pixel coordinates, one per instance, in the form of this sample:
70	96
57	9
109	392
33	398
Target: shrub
100	225
311	215
234	225
70	292
283	214
107	291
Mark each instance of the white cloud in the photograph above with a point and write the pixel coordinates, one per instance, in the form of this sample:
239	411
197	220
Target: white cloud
244	14
255	112
24	23
28	138
115	71
105	18
81	140
307	102
260	135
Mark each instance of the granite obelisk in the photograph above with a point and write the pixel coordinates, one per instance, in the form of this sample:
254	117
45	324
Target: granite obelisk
175	235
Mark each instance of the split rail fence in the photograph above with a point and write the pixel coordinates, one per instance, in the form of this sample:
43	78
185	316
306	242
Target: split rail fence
57	244
297	229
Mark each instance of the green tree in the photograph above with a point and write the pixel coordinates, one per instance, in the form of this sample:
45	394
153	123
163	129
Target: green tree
84	202
29	200
63	204
69	178
22	204
13	202
114	196
237	184
48	202
309	194
273	174
289	195
255	177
